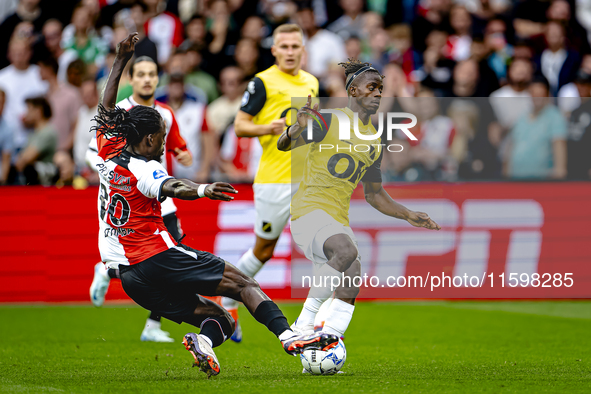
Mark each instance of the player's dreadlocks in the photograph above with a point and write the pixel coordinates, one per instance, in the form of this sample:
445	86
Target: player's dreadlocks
354	68
126	128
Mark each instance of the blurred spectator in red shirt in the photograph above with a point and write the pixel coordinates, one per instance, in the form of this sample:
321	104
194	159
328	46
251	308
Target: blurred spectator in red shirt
163	28
65	102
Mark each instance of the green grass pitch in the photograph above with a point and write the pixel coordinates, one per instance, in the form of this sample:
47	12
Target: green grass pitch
403	347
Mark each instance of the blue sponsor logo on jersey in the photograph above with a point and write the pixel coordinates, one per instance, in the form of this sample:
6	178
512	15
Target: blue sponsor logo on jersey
159	174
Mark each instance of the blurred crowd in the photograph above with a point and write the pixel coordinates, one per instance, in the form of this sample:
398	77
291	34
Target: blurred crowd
499	87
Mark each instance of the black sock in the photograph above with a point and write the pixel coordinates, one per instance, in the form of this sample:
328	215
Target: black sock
113	273
269	314
154	316
217	329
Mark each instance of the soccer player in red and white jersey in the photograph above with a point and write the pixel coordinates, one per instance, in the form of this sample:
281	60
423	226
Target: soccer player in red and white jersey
158	273
144	80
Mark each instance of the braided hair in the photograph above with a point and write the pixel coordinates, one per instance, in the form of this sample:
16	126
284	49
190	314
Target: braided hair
353	65
126	128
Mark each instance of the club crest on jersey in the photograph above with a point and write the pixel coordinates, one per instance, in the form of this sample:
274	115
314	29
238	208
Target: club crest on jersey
159	174
245	99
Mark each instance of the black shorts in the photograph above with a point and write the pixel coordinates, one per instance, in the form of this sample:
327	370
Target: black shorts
169	283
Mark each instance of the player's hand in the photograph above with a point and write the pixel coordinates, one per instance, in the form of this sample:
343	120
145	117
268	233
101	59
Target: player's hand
184	157
304	112
126	47
277	126
421	219
216	191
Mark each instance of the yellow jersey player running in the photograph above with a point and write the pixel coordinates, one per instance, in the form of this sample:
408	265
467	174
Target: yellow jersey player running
265	105
320	220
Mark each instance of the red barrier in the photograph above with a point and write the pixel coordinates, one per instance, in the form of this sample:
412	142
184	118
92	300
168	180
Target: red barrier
49	238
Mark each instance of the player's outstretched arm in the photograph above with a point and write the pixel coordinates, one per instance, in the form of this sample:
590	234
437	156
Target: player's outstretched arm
185	189
378	198
125	51
291	137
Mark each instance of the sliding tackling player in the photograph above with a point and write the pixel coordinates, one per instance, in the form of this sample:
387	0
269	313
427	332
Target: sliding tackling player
158	273
144	80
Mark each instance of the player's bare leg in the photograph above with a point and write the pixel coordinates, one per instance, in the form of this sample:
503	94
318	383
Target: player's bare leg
250	264
342	257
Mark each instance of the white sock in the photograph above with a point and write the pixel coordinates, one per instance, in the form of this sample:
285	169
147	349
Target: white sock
316	296
207	340
308	314
338	317
250	266
286	335
151	324
104	272
322	313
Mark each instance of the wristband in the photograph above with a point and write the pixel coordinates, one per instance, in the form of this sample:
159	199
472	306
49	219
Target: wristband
201	189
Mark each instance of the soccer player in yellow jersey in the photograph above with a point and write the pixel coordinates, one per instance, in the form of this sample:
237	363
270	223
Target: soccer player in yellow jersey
320	220
265	105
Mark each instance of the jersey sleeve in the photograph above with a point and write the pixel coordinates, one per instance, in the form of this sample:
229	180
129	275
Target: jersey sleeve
374	172
151	176
174	139
92	157
254	97
319	129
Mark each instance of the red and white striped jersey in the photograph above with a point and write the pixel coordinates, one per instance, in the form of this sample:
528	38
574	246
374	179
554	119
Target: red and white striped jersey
174	140
131	224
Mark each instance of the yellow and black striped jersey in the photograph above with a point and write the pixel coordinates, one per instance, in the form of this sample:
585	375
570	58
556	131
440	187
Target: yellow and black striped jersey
333	168
268	97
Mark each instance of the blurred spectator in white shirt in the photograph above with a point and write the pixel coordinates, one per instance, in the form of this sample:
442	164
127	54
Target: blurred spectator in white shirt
323	47
513	99
6	142
351	23
86	113
569	96
20	81
222	111
191	118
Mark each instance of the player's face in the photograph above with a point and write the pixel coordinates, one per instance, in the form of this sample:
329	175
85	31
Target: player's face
288	50
156	148
369	92
144	79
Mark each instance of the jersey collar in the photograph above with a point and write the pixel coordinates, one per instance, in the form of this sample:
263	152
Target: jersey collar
134	103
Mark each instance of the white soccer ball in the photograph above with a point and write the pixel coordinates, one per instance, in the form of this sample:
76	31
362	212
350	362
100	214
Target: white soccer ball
318	362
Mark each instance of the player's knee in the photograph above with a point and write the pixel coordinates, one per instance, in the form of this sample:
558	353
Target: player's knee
345	257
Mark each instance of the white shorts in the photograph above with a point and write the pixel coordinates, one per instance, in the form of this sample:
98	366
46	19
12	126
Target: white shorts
311	231
271	203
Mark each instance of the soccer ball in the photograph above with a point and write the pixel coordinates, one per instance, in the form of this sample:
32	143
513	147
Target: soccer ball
318	362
